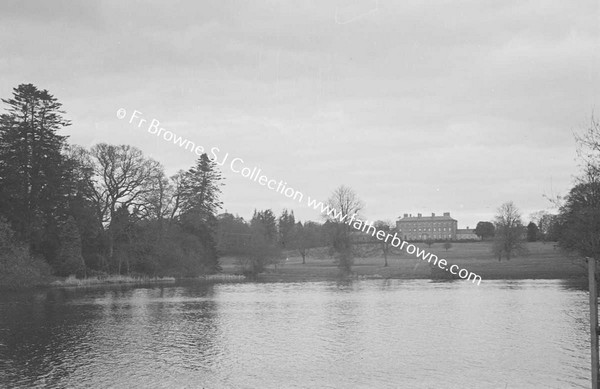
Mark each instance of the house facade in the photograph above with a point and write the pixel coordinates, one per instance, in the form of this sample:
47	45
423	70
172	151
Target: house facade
421	227
466	234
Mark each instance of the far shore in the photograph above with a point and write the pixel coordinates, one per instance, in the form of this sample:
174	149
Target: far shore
124	280
116	280
542	261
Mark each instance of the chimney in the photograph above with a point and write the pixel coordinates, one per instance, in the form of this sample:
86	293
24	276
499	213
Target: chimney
446	213
432	214
418	215
406	215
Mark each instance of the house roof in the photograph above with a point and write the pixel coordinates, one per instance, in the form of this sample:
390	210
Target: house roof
426	218
465	231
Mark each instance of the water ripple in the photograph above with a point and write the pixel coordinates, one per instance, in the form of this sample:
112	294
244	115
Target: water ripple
384	334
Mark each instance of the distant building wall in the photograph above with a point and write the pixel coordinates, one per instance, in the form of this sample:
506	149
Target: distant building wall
466	234
427	227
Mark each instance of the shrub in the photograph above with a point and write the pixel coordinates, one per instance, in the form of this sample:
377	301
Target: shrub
18	268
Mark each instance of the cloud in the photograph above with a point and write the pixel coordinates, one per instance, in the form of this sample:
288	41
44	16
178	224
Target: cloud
439	105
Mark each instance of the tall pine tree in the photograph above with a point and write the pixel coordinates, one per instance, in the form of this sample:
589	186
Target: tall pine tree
201	188
200	201
287	224
31	166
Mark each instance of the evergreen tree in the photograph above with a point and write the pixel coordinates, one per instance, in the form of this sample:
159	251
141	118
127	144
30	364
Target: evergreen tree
200	202
287	223
32	196
485	230
264	248
69	259
266	222
532	232
78	179
201	188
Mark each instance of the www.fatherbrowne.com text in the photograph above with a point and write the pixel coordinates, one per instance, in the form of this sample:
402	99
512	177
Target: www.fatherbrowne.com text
237	166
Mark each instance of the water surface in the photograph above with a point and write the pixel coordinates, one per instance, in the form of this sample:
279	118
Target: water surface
383	333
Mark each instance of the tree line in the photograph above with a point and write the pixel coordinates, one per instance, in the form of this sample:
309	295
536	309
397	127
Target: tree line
576	225
109	209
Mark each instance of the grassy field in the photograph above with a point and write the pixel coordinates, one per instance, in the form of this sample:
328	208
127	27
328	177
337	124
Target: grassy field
542	261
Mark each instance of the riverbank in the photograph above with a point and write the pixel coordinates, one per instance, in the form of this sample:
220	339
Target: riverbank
112	280
108	280
542	261
124	280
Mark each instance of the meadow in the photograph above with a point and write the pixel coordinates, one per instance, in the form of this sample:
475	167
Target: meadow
542	260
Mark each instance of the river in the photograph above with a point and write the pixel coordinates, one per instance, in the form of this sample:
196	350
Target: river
368	333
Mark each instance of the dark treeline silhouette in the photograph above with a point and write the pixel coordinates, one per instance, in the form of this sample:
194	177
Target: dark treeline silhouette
104	210
67	210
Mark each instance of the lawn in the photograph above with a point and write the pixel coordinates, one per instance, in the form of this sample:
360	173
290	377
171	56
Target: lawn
542	261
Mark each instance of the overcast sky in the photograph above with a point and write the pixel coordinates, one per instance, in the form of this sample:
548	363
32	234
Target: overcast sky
433	106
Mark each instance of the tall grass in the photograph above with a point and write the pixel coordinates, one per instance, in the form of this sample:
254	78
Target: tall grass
111	279
222	277
120	279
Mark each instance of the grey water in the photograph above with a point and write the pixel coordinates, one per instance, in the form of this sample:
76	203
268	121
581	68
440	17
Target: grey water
368	333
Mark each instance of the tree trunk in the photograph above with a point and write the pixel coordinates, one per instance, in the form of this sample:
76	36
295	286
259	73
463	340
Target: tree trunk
111	244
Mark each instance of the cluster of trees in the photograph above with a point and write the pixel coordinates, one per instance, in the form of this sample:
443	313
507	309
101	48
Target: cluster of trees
266	239
508	232
543	227
109	209
106	209
579	217
576	227
485	230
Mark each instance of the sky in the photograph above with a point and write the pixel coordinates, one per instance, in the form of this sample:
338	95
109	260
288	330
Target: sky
419	107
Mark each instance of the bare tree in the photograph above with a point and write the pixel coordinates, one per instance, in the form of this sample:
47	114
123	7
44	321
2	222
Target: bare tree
304	238
123	177
578	222
588	150
382	246
509	231
346	203
156	200
176	197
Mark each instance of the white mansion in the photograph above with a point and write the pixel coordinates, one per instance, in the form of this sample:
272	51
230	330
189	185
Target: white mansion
432	227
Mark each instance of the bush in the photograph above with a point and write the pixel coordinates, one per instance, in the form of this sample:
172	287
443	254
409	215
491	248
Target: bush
18	268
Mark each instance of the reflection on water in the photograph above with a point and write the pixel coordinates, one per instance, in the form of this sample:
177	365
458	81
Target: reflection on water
383	333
